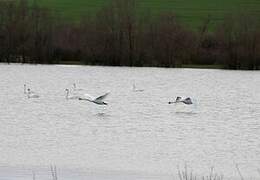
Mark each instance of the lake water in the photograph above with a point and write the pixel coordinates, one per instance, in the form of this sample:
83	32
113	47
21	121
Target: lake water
138	135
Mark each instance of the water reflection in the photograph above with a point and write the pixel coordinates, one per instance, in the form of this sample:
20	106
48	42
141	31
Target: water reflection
186	113
102	114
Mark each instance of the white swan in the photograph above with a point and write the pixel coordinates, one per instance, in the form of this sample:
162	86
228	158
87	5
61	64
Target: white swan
68	96
185	101
31	94
75	88
137	90
99	100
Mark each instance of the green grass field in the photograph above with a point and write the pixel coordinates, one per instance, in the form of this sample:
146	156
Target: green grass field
191	12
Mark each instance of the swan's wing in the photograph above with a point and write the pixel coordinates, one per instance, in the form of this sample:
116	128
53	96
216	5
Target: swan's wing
178	99
187	101
100	98
87	96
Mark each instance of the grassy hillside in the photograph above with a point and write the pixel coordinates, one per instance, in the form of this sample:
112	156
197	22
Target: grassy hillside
191	12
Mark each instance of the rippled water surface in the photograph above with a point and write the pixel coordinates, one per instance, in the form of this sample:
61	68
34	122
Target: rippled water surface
138	135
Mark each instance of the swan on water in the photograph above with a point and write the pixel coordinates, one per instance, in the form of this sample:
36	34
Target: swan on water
99	100
75	88
31	94
68	96
137	90
179	100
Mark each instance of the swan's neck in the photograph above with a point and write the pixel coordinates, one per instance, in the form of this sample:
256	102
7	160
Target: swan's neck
24	89
67	95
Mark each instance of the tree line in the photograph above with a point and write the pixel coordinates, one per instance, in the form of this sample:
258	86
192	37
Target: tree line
117	36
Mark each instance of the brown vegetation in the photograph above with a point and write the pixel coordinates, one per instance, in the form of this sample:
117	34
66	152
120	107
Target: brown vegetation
116	36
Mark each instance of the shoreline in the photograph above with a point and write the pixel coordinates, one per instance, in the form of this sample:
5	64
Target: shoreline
184	66
76	63
53	173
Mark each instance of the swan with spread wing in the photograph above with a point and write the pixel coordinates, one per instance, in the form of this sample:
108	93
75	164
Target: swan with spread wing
99	100
186	101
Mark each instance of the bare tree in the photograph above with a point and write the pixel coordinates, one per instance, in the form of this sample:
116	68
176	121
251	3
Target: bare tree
238	37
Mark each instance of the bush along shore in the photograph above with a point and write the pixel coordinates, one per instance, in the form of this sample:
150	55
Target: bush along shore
116	36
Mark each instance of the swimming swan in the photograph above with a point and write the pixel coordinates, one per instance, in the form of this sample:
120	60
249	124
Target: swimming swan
99	100
70	96
75	88
137	90
186	101
31	94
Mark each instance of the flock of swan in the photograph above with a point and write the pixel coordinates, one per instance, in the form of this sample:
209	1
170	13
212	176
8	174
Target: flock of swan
97	100
74	95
